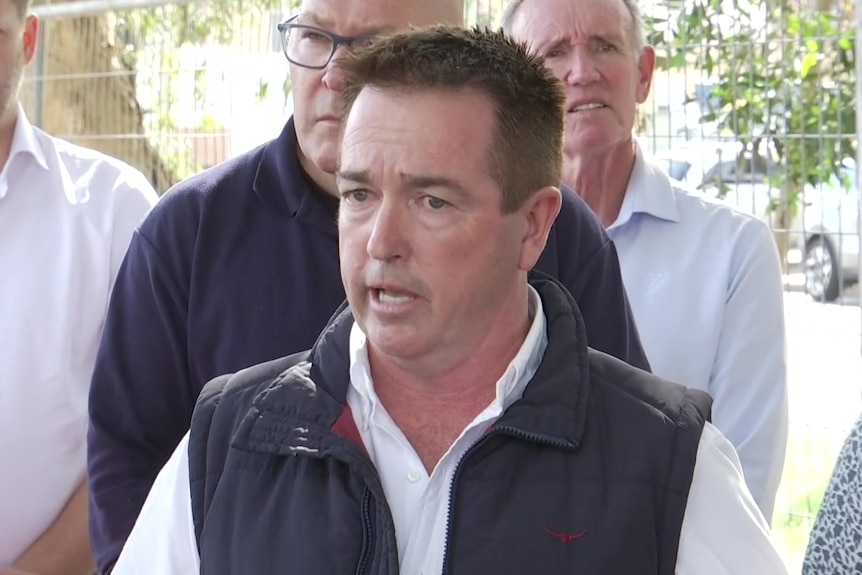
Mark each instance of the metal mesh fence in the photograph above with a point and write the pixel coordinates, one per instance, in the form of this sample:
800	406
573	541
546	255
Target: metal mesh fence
754	104
757	106
173	88
169	88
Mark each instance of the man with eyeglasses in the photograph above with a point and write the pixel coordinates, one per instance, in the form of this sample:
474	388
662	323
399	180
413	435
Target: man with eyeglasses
239	265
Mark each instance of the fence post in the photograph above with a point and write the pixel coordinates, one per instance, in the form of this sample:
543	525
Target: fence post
91	7
858	43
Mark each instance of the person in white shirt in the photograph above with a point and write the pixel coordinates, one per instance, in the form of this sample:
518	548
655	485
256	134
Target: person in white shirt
704	280
452	417
67	215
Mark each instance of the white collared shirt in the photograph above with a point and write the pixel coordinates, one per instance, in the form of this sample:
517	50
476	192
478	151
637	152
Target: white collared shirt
704	284
723	532
420	502
67	215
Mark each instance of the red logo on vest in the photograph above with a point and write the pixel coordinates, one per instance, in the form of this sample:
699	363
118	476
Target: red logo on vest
563	536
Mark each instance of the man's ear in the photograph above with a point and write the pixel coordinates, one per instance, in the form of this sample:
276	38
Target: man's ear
646	66
29	37
540	210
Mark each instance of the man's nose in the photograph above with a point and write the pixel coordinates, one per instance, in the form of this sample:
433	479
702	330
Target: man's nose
388	240
581	67
333	76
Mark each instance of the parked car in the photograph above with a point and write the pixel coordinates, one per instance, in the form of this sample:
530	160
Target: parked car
831	221
720	168
825	230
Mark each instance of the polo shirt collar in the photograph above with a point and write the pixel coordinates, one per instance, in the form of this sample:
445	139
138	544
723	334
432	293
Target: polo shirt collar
281	182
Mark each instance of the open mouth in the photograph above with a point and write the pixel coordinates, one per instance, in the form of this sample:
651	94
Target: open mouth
586	107
391	297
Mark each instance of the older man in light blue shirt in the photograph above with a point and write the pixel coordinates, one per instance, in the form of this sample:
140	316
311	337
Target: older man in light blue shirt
704	281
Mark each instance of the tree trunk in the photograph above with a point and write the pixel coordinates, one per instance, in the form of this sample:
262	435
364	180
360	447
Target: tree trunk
89	95
781	222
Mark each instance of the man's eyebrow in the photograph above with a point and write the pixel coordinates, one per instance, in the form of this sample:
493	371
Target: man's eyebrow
558	39
357	176
554	40
422	182
607	38
411	181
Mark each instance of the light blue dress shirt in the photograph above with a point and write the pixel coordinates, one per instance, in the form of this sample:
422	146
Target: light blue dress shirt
704	283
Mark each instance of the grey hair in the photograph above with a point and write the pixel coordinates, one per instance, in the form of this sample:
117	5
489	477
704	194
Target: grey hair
631	5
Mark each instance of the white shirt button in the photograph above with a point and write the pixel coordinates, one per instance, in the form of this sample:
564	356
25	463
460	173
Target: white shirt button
413	476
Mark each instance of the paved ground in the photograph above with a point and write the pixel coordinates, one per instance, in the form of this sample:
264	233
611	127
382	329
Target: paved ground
824	346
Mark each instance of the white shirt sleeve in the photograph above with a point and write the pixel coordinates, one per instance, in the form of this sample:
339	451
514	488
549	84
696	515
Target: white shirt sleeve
723	531
163	539
749	376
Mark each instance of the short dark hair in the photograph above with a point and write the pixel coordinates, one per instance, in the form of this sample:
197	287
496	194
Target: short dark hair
525	153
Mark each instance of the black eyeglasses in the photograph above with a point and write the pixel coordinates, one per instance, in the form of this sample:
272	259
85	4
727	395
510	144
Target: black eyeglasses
313	47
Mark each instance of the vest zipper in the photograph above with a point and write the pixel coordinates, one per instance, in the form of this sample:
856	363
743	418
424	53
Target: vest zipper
506	430
368	540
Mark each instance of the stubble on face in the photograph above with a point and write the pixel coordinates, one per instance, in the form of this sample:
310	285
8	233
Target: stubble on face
10	83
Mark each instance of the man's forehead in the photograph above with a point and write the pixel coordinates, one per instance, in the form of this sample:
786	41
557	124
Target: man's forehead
407	126
336	21
609	15
379	15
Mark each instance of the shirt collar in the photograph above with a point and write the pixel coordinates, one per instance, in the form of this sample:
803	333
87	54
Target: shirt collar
24	142
649	191
510	387
281	182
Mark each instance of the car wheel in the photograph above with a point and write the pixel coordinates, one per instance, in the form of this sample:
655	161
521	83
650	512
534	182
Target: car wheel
822	281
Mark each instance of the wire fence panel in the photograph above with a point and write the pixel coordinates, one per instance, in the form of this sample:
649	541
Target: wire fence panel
752	102
170	88
757	106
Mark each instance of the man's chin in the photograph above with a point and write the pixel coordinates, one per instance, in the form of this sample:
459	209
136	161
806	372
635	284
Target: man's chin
393	342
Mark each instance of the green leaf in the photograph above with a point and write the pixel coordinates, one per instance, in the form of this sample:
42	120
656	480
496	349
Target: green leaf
808	62
262	90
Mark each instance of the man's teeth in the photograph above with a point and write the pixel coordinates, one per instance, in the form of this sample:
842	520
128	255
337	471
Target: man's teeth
592	106
393	297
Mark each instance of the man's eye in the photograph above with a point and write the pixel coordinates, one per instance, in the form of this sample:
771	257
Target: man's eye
435	203
312	36
557	51
356	196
